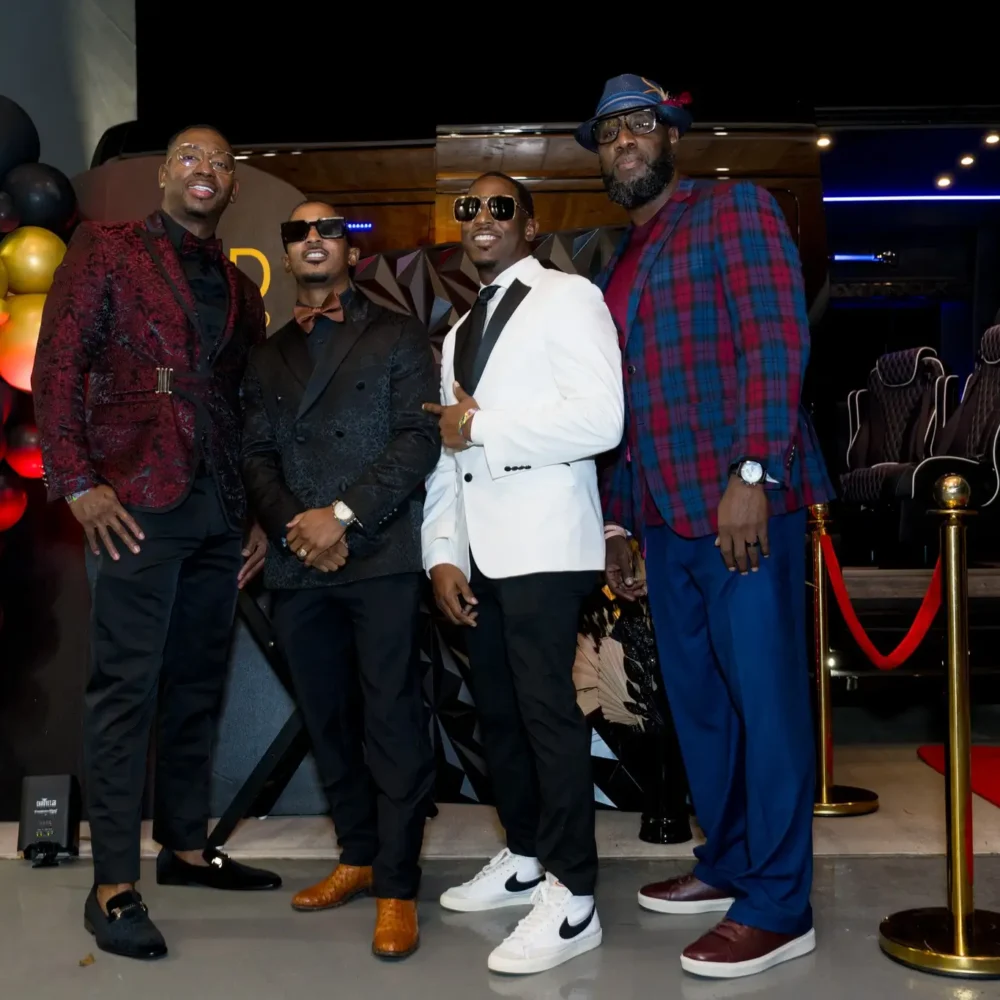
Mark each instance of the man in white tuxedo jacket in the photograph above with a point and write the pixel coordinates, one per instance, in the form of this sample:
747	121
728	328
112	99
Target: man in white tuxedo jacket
513	540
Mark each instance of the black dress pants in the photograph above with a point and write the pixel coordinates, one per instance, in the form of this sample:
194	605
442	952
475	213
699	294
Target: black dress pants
536	740
355	663
160	629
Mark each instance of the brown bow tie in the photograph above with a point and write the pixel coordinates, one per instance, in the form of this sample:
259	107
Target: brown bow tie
306	316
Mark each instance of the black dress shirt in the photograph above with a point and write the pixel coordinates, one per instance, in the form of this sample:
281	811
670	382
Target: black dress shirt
207	282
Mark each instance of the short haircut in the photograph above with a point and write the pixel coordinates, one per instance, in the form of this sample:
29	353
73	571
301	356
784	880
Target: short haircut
172	141
523	194
310	201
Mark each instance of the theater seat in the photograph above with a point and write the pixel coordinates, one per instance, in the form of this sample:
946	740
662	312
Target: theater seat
893	424
968	445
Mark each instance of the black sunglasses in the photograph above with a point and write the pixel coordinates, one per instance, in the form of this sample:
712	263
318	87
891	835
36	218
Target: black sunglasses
332	228
501	206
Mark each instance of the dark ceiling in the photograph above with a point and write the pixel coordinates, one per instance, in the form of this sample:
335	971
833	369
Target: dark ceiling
296	75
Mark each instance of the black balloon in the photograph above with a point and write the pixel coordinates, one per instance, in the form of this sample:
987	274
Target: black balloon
42	196
9	220
18	136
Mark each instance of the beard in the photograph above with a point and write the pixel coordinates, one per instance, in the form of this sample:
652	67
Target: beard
316	278
641	190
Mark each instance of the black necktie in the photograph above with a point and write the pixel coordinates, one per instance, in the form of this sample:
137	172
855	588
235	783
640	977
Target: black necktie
477	321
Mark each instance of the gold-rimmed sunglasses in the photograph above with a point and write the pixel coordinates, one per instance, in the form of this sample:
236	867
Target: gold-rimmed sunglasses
189	155
502	207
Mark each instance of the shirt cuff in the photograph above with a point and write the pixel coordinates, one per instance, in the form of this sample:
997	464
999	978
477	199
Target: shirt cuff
437	552
475	438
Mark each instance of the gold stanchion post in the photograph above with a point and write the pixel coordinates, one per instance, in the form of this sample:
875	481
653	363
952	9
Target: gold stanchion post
956	940
831	799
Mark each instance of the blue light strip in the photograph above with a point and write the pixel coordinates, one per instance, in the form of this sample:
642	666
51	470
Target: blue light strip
361	225
866	258
912	197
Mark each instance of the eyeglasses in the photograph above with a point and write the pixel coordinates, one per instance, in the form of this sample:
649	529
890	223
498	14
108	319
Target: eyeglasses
637	122
501	206
332	228
220	160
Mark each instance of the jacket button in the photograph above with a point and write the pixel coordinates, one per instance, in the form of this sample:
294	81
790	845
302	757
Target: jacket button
631	369
300	439
468	477
525	466
360	385
506	468
339	434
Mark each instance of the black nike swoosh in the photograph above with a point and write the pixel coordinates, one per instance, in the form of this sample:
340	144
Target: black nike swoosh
568	930
513	884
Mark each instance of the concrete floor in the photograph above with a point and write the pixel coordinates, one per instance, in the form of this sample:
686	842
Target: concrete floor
231	947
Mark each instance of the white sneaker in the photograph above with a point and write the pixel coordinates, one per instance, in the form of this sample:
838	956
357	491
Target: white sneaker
552	933
506	880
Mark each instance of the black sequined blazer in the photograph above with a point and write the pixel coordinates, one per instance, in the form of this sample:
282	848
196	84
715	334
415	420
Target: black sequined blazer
350	428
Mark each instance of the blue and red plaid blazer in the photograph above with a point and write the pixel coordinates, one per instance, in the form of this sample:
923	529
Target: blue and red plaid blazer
714	353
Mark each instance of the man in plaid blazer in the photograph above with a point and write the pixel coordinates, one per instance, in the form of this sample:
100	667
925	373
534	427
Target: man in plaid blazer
718	462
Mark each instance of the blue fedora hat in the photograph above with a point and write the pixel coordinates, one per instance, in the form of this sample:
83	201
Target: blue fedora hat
629	92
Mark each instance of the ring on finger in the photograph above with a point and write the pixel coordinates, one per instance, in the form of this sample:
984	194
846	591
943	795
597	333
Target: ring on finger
303	552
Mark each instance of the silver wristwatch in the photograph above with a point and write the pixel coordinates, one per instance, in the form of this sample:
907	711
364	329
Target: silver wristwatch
343	513
751	472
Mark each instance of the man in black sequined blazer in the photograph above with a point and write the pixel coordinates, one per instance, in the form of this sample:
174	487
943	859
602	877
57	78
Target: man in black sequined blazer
336	448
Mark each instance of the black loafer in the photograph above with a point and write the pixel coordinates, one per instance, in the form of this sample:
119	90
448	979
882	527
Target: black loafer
126	928
220	873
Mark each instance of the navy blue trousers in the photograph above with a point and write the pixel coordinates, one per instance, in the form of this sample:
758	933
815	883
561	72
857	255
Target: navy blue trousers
733	655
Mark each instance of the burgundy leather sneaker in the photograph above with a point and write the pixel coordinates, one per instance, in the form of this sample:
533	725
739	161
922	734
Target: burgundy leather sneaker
731	950
686	895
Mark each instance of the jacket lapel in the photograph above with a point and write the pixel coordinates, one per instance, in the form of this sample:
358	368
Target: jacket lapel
291	343
506	307
665	224
159	247
356	319
232	280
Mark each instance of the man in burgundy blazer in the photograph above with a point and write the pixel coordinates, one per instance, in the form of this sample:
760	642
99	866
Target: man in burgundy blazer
143	345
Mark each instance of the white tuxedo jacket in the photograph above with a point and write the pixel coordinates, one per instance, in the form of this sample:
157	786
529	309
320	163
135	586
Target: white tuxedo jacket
525	498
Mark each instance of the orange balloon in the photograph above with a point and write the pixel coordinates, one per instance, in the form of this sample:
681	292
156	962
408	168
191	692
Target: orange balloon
31	255
18	339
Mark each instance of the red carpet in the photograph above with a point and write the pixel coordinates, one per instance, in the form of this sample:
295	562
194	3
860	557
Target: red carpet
985	769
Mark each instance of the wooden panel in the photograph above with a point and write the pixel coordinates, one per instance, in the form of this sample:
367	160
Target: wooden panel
379	168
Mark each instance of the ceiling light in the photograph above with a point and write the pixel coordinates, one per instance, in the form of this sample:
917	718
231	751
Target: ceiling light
967	160
992	138
271	154
241	156
722	170
944	181
824	142
721	131
296	152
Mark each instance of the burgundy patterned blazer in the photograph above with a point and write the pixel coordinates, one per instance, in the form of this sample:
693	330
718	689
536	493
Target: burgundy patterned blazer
125	391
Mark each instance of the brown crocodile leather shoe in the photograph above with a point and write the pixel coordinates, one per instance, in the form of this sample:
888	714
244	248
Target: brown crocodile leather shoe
685	895
396	932
339	887
731	950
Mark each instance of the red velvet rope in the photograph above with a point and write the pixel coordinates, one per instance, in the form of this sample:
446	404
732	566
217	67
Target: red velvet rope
918	630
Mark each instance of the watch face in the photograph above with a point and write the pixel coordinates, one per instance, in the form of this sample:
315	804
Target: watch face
342	512
751	473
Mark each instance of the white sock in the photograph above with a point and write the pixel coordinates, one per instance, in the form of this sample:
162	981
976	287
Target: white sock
527	868
579	908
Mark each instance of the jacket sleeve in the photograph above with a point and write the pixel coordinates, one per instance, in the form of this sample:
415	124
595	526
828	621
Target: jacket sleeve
582	346
272	502
615	482
73	327
414	442
441	506
762	276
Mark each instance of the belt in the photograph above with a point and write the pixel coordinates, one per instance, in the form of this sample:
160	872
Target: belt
167	379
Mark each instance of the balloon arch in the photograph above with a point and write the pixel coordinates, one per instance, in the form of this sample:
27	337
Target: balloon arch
38	213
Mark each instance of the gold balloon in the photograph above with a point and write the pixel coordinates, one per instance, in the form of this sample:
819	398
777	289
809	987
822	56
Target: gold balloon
3	281
31	255
18	339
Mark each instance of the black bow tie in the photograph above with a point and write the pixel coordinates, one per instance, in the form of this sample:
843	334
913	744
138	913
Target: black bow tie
206	250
